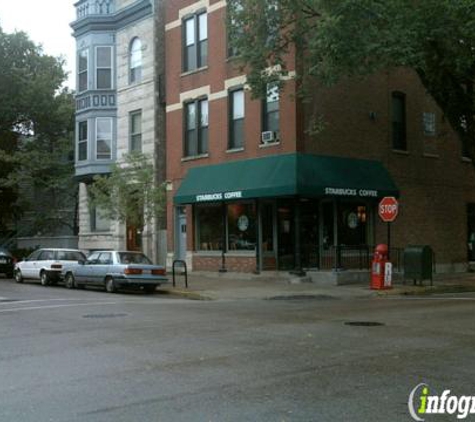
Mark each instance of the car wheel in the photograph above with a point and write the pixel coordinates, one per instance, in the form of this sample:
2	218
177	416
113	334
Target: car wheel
44	279
69	281
110	285
149	289
18	276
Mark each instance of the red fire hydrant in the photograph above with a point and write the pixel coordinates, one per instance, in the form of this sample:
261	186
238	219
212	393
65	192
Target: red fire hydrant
381	269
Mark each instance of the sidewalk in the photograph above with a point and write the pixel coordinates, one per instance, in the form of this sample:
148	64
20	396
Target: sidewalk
234	286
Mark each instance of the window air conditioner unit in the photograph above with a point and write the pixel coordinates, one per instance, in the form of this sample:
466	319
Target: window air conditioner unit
268	137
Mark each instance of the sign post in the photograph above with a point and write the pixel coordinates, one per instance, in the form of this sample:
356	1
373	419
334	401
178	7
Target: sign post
388	210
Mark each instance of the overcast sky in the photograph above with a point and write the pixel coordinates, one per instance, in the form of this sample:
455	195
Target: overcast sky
47	23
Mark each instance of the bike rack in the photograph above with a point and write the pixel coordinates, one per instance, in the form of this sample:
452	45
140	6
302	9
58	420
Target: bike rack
183	263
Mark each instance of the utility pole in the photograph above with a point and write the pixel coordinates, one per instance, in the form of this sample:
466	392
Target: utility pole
160	126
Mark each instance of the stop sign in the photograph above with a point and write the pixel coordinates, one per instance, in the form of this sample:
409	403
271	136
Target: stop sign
388	209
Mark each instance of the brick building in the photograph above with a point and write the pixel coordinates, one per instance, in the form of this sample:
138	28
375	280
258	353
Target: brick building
250	189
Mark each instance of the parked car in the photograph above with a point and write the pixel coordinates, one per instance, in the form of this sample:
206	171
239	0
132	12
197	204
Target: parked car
46	265
114	270
7	263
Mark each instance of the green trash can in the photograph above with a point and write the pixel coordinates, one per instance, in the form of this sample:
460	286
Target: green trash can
418	263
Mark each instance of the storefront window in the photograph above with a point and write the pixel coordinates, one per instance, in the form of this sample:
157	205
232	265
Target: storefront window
241	227
209	228
352	224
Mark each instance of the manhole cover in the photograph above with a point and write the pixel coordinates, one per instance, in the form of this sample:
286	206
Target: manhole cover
364	323
303	297
104	315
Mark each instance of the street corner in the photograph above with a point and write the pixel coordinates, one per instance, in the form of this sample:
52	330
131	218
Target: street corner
185	294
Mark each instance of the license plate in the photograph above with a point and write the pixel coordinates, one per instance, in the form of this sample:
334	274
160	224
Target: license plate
147	272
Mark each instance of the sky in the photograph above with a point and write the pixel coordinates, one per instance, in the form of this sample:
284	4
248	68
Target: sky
47	23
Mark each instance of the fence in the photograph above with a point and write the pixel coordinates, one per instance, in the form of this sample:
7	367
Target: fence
343	257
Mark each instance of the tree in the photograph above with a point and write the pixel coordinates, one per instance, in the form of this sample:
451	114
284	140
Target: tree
29	86
44	166
129	193
347	38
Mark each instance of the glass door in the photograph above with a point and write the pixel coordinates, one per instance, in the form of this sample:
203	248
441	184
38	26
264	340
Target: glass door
285	235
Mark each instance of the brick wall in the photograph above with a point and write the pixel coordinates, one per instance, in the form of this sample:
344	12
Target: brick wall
435	182
233	263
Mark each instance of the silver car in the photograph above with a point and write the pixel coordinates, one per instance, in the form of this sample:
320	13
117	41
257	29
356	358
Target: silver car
46	265
114	270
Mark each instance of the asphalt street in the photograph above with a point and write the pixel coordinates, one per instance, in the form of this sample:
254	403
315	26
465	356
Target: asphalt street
75	355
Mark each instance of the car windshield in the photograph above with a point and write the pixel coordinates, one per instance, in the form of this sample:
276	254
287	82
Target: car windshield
71	256
133	258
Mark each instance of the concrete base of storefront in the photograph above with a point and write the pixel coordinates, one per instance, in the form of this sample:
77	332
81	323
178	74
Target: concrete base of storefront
327	278
319	278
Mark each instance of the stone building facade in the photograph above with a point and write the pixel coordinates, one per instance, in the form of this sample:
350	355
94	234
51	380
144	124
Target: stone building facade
115	107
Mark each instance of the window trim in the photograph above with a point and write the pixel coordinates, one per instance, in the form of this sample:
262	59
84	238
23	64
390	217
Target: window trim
138	78
132	134
198	127
110	119
96	67
265	114
86	71
79	141
199	62
231	120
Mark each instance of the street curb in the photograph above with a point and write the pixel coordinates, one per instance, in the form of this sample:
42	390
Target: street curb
427	290
191	295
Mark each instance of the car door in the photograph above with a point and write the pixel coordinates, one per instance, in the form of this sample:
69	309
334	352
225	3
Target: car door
83	273
26	267
45	259
101	269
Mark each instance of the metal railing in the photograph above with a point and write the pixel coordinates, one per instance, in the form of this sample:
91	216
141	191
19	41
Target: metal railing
185	271
344	257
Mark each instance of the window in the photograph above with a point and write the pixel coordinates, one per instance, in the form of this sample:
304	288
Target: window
399	121
271	112
241	227
105	258
104	67
82	141
83	59
136	131
93	258
99	223
46	256
234	30
196	128
428	122
104	138
236	119
70	256
135	61
209	227
195	42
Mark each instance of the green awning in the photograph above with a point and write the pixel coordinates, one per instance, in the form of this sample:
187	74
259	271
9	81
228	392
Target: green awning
286	175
